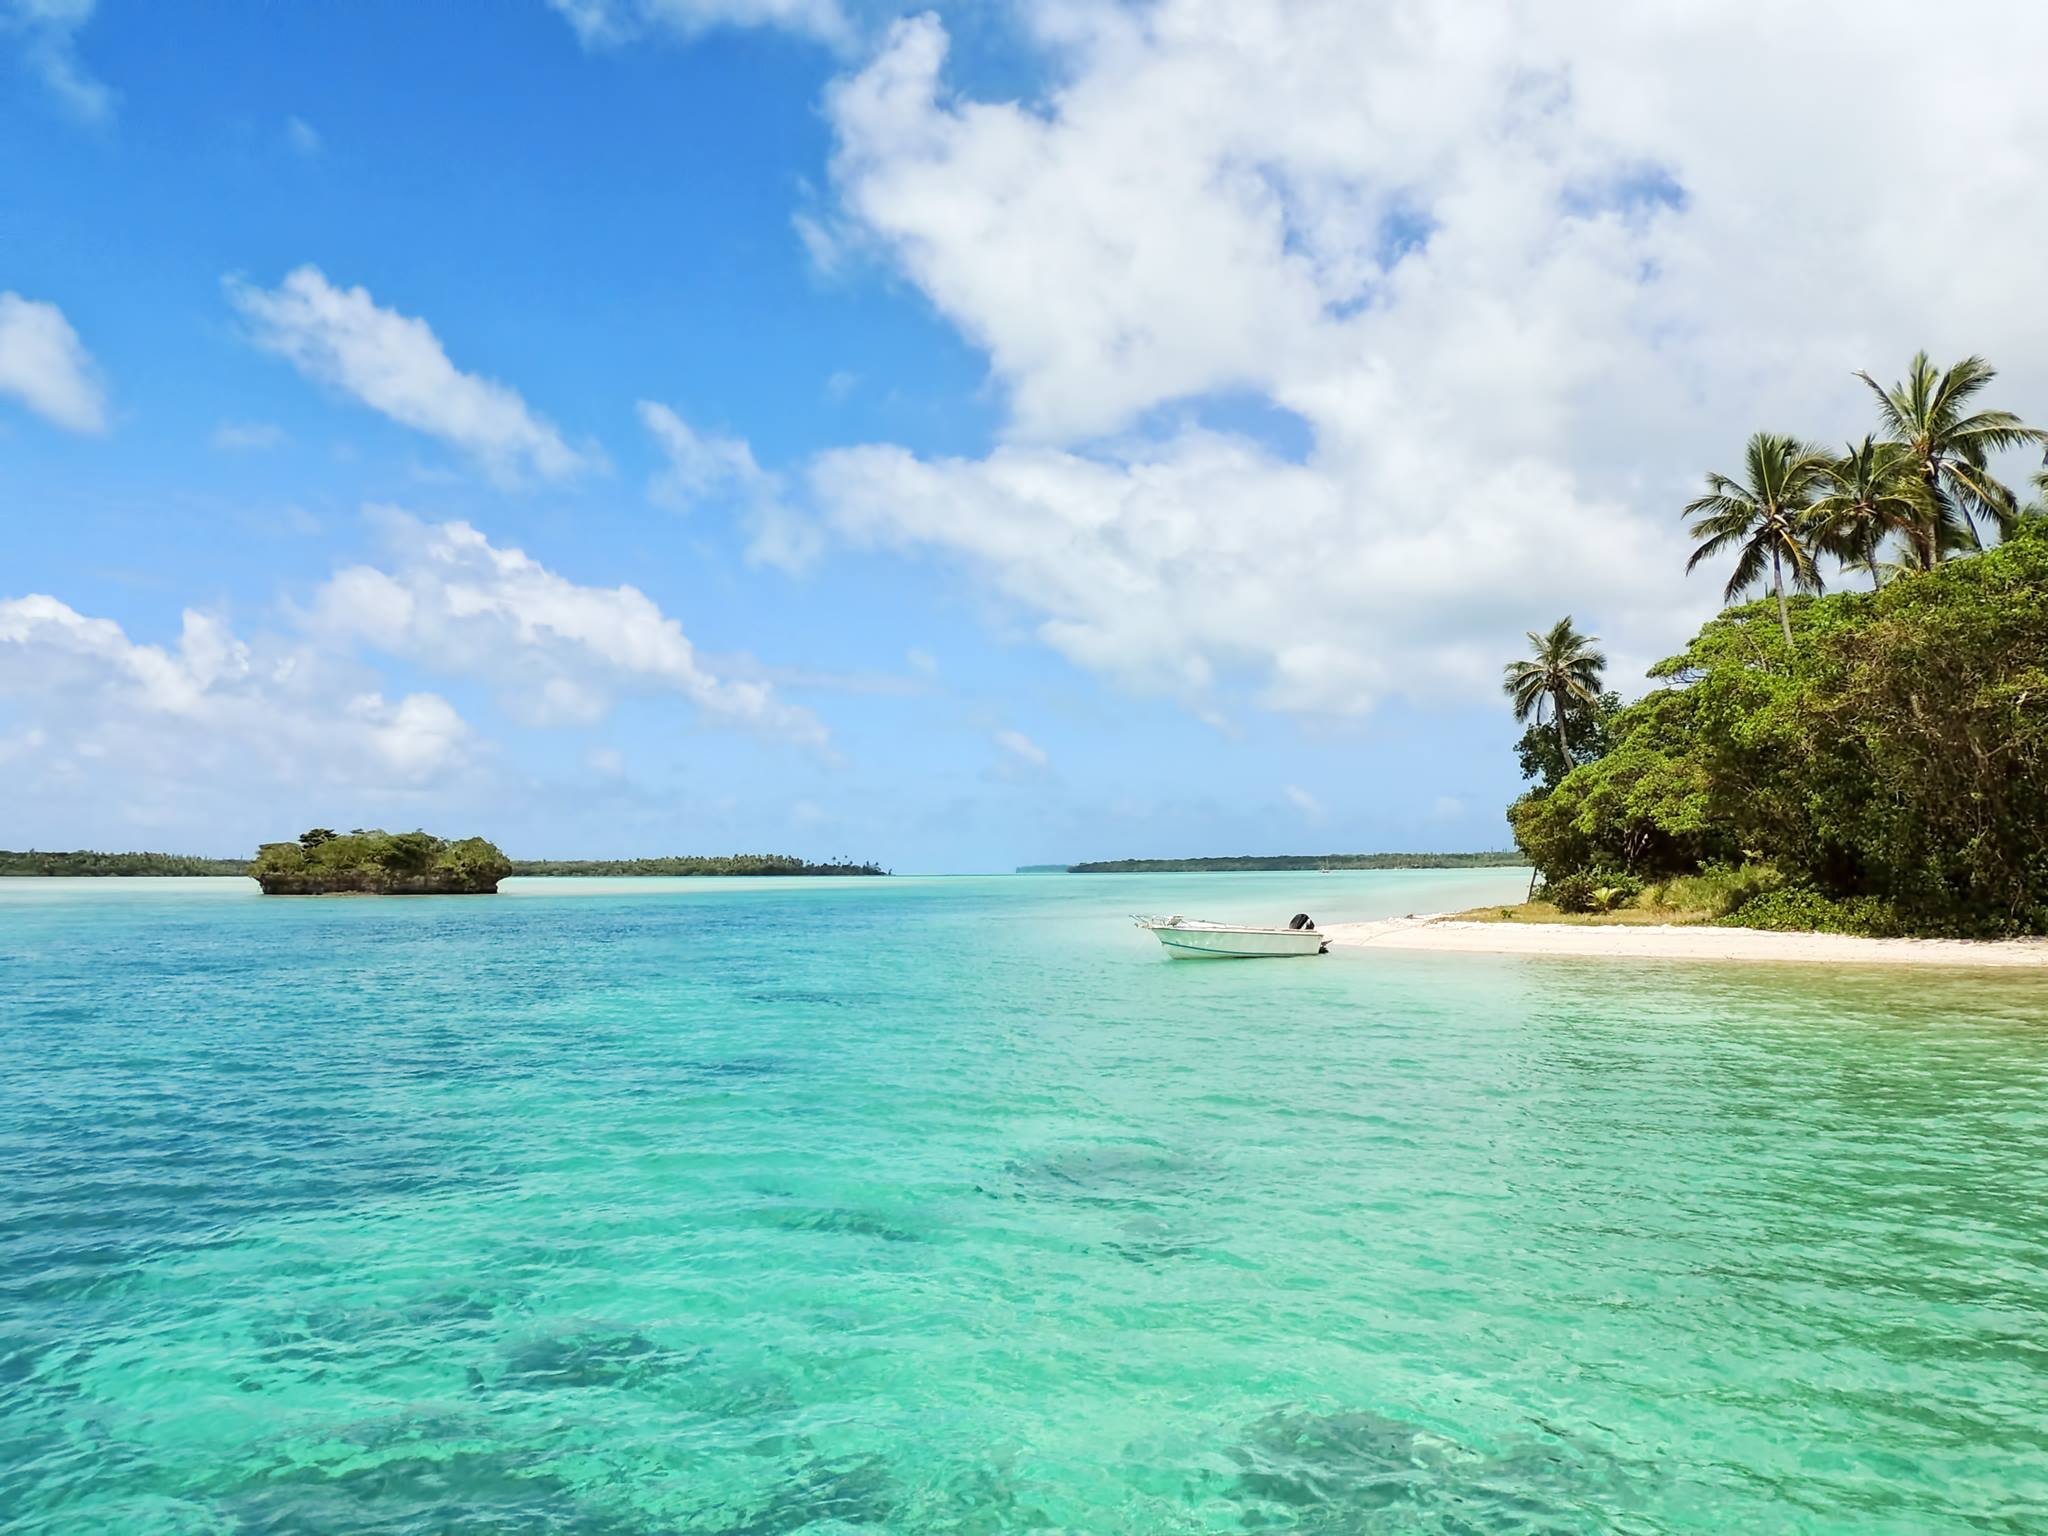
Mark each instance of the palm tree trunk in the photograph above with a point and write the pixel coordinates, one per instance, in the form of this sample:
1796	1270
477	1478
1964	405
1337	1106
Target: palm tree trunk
1564	746
1778	584
1927	539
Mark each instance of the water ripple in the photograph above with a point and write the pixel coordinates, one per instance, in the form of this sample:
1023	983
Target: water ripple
944	1206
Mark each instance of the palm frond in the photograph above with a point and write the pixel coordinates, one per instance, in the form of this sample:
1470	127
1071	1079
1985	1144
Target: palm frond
1953	387
1990	432
1564	665
1718	504
1796	555
1722	540
1749	570
1972	494
1892	409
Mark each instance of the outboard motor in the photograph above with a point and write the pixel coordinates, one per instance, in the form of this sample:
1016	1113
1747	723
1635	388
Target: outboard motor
1302	920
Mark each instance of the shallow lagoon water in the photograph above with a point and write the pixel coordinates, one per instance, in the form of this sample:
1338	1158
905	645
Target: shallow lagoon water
620	1207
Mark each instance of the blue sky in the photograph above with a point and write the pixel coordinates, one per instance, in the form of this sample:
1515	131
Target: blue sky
1068	454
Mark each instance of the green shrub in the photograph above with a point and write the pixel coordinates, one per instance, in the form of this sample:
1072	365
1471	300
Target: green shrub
1803	910
1615	890
474	858
1570	893
1591	890
1717	890
279	859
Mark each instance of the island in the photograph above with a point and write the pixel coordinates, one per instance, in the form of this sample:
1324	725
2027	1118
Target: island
378	863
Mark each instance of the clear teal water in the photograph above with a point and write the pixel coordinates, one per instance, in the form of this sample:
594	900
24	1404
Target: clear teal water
952	1206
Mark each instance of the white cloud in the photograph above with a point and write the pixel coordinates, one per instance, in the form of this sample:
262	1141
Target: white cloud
600	23
1022	747
558	651
45	366
1169	568
1304	802
922	662
216	730
1514	275
48	31
302	136
396	365
247	436
707	465
212	707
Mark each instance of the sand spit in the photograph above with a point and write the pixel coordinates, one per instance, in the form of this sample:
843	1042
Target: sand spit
1676	943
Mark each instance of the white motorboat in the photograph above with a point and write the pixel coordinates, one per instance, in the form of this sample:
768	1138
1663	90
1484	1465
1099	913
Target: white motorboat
1192	939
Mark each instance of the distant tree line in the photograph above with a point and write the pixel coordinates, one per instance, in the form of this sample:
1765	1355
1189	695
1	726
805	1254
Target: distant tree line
411	854
1300	861
86	862
696	864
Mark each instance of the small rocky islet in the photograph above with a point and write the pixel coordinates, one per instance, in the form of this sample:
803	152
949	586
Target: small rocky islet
379	863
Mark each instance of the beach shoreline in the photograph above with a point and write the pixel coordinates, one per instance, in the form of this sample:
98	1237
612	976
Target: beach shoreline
1439	934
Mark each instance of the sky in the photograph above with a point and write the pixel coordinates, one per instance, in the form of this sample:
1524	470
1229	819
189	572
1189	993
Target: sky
1017	432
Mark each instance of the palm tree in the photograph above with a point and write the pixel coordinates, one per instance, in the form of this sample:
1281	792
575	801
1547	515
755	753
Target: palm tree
1949	448
1565	668
1767	516
1866	496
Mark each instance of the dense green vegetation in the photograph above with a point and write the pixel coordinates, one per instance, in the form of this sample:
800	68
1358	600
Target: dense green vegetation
1862	761
1299	861
86	862
1547	756
384	863
687	864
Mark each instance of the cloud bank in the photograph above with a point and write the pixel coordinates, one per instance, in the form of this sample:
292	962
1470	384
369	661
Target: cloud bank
126	722
217	728
1342	343
556	650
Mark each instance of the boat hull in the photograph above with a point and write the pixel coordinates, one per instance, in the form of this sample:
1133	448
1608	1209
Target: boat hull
1184	943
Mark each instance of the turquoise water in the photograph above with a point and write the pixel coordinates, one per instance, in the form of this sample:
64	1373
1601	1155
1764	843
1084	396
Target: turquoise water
952	1206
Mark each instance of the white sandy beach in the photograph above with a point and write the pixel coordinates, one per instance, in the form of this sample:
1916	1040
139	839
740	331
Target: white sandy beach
1676	943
